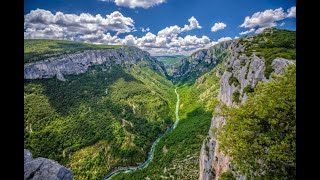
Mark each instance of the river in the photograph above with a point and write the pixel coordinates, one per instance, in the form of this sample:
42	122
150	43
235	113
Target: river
151	152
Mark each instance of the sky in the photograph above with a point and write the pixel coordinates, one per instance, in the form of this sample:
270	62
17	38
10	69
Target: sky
161	27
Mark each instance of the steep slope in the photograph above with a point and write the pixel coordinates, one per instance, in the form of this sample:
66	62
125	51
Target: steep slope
199	63
177	154
105	111
249	60
170	62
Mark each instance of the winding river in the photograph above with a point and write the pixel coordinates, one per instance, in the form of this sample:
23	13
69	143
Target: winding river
151	152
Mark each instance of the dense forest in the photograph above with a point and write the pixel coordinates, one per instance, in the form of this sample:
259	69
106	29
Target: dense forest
93	122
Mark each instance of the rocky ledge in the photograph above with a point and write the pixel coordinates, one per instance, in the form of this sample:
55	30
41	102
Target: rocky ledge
77	63
42	168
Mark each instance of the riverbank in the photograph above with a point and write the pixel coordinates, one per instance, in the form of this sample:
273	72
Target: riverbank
150	156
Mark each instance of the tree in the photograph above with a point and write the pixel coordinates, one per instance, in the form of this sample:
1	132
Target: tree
260	135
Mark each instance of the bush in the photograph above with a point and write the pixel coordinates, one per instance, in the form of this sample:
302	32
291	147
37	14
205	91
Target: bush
228	175
236	96
229	69
248	89
263	130
233	80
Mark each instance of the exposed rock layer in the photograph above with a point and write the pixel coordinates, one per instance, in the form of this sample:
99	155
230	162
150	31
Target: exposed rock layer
79	62
42	168
248	71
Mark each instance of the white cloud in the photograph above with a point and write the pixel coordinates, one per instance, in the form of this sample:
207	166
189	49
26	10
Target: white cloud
218	26
137	3
282	24
266	18
193	24
145	30
291	12
104	30
236	37
44	24
247	32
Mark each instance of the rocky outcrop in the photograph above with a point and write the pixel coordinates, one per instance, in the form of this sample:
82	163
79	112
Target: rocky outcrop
42	168
248	71
79	62
200	62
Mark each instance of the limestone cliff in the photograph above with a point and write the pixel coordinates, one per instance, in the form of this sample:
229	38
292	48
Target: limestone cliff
248	71
42	168
200	62
79	62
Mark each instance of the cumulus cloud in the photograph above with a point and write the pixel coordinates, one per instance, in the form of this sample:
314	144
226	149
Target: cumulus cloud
43	23
268	18
193	24
291	12
136	3
247	32
105	30
218	26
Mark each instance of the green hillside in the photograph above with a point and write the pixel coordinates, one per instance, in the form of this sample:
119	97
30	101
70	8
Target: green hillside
98	120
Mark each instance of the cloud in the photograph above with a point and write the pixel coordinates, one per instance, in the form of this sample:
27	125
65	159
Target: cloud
44	24
291	12
105	30
145	30
137	3
268	18
193	24
218	26
247	32
282	24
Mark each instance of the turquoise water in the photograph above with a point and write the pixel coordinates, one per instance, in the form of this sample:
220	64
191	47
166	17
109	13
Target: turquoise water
151	152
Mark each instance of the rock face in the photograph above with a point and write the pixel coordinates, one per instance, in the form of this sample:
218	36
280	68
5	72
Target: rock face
248	71
200	62
42	168
78	63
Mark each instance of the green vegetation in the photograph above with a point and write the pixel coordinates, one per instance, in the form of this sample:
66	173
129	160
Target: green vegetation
248	89
170	60
39	49
227	176
233	80
229	69
260	135
271	44
104	118
177	154
236	96
201	67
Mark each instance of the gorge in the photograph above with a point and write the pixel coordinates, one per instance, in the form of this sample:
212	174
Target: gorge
104	110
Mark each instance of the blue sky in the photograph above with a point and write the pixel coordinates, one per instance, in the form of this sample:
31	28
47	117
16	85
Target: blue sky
155	15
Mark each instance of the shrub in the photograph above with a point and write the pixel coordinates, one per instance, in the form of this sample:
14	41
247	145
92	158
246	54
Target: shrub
228	175
233	80
236	96
248	89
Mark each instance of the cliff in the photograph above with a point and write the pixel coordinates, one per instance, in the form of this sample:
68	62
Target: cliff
79	62
42	168
241	72
200	62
